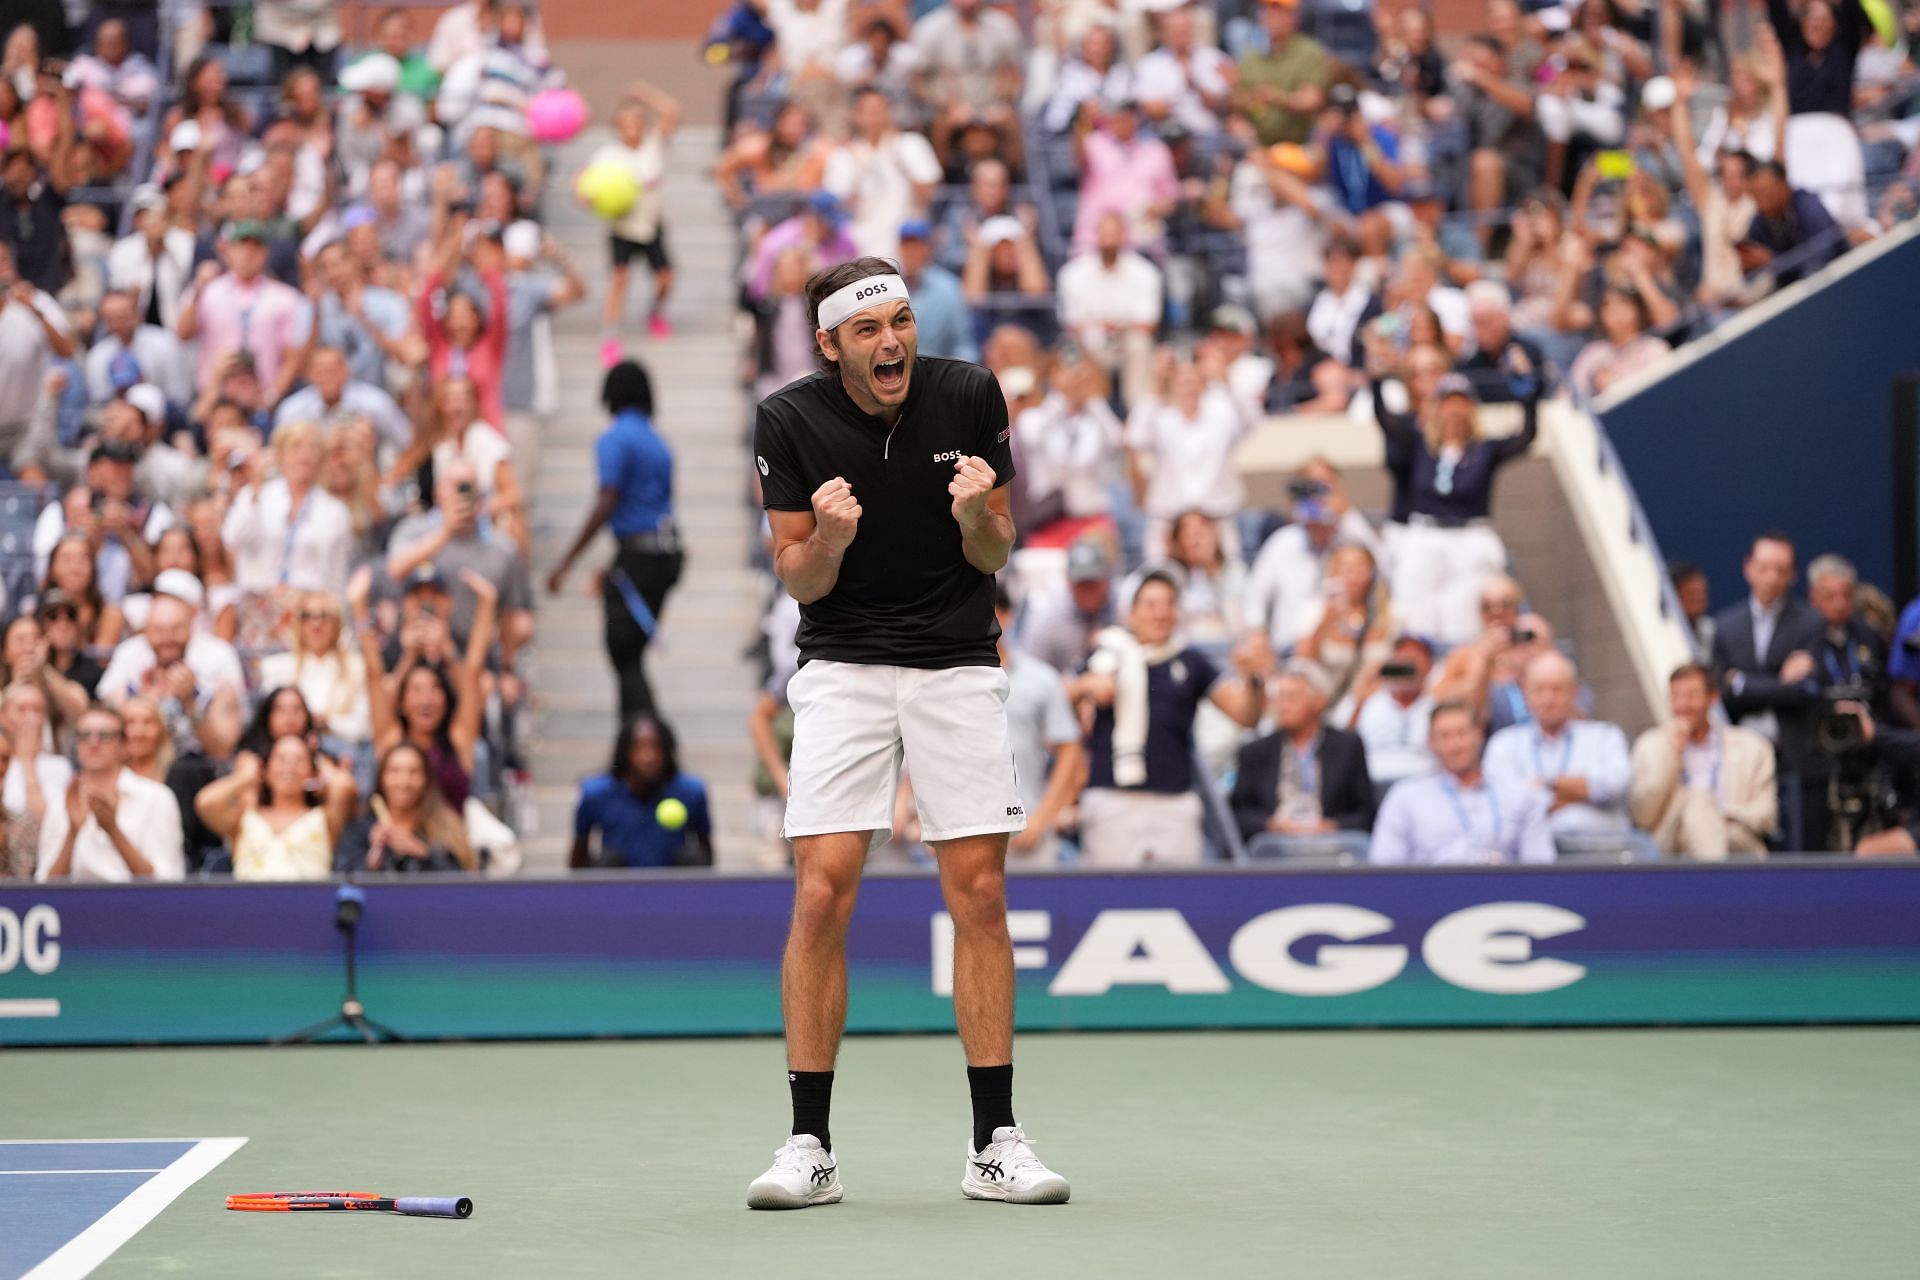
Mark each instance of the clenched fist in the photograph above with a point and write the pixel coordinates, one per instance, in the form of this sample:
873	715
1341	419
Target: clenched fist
972	482
836	514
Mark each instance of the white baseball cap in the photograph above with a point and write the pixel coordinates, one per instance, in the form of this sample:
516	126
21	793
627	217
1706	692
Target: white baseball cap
185	136
181	585
149	400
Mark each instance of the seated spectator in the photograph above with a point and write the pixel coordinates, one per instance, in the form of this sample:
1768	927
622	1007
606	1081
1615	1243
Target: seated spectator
789	156
182	668
1066	445
455	431
1110	301
1274	201
1124	173
72	570
1343	305
1303	379
939	304
1704	790
1281	91
1004	259
880	59
33	333
1506	147
287	532
1486	673
1456	814
1140	691
151	354
319	662
368	324
1092	74
408	827
1787	221
1393	708
36	778
1285	587
25	657
438	708
1180	451
1184	80
66	646
109	824
1059	626
1213	583
331	396
1623	348
970	53
267	812
149	745
989	196
20	843
242	309
820	227
154	262
1580	766
1303	790
1494	341
647	812
1442	545
883	176
116	68
1356	627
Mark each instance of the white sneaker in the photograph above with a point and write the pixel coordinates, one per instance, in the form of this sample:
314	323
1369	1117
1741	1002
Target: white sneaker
1009	1170
803	1174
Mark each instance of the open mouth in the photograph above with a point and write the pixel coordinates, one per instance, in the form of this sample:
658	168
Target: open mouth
890	375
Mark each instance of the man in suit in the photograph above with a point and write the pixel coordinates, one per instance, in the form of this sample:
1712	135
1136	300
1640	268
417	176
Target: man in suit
1703	791
1763	662
1304	789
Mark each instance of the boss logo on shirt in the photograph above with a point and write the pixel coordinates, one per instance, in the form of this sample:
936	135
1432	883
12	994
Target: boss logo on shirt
951	456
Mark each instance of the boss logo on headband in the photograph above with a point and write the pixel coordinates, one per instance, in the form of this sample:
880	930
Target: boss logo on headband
870	291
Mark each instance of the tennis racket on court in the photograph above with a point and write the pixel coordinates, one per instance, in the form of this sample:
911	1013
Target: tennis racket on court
356	1201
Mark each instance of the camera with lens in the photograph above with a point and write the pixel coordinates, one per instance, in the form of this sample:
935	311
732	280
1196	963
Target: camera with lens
1837	728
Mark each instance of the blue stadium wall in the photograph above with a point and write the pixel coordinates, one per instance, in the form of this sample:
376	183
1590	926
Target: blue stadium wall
1788	425
661	955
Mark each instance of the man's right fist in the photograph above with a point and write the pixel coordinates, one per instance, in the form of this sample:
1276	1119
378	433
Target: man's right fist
836	513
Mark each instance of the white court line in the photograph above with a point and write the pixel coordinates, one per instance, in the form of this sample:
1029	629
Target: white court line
29	1008
74	1142
39	1173
80	1255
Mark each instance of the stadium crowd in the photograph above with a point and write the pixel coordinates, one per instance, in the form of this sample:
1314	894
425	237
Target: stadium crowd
1159	223
274	353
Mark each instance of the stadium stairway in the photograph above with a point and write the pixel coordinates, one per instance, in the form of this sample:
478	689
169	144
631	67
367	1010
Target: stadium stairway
704	683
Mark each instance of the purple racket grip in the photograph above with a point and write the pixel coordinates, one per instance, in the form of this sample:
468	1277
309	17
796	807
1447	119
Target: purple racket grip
434	1206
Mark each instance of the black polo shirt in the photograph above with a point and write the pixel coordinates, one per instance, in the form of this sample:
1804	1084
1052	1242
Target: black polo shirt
906	596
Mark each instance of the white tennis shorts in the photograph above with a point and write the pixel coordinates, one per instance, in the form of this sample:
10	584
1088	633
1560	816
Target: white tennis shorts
854	724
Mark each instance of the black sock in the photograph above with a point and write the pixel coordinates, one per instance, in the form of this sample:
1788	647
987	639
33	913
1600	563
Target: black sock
812	1094
992	1089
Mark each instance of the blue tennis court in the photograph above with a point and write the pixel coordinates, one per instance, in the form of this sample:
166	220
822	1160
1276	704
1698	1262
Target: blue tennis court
66	1205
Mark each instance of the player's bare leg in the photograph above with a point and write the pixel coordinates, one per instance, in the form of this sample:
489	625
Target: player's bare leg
1001	1164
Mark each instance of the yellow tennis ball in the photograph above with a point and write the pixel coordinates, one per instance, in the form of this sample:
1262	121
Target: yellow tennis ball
671	814
609	188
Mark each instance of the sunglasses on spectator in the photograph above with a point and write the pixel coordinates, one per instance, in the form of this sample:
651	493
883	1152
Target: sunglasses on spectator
1498	606
97	735
62	615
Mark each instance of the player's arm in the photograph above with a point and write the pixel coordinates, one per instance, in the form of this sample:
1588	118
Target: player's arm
985	519
808	546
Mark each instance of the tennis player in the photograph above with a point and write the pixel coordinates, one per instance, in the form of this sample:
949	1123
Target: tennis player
884	476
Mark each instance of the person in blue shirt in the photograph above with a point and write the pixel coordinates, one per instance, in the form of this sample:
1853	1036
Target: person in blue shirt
648	813
939	305
636	498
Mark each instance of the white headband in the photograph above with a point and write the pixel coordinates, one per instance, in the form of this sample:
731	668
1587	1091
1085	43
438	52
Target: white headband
873	291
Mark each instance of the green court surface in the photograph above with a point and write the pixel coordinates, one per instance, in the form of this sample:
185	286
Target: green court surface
1736	1153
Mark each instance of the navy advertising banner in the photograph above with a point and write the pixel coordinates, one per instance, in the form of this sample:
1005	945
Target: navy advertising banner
663	955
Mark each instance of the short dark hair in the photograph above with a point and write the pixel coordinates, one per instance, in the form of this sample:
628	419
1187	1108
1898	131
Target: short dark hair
1693	669
622	763
829	282
627	386
1772	168
1679	571
1452	706
1773	535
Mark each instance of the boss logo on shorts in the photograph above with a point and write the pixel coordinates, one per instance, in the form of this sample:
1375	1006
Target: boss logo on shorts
953	455
1015	811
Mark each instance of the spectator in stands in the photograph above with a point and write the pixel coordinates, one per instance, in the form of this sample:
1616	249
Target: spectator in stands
1139	694
1704	790
1093	73
1690	587
1285	593
1045	737
1123	172
528	384
790	156
332	395
409	826
643	124
1721	200
1623	348
25	658
1066	445
1493	342
1506	147
367	323
154	261
329	673
1180	450
883	176
33	200
116	68
1303	789
465	28
1457	814
1581	766
820	227
1212	583
636	499
20	840
1392	711
1787	221
939	307
463	341
1058	625
33	333
455	431
36	778
72	570
1184	81
287	531
1443	476
989	196
1356	627
188	672
437	708
1820	46
880	58
1274	201
1110	303
1343	305
1852	656
66	650
241	309
970	53
283	815
109	824
647	811
1763	661
151	354
1004	261
149	745
1281	91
